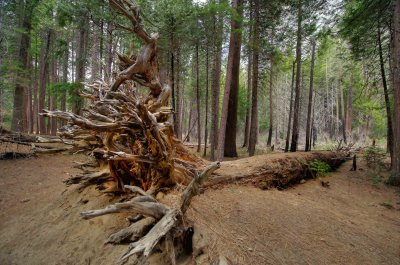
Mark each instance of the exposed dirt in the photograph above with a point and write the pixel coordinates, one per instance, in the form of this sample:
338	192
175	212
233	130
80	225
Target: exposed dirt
352	222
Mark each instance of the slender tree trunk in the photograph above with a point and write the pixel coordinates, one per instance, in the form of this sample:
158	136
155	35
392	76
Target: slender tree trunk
227	134
395	178
65	80
206	99
109	52
254	105
290	109
248	98
44	71
2	53
337	113
190	123
80	67
349	113
387	101
182	100
172	64
216	76
178	116
198	99
295	132
95	58
271	107
310	99
35	119
249	57
343	113
29	106
19	120
53	96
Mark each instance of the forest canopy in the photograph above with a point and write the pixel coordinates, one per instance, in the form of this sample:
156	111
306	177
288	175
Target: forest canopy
290	75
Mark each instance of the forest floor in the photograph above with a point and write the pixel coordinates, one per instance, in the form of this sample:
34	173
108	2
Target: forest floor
355	221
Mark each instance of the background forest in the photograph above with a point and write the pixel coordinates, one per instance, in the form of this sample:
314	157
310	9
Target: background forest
280	74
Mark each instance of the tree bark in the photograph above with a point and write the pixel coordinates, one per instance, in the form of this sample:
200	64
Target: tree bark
108	72
271	107
254	105
43	76
343	113
249	57
216	76
295	130
386	94
349	112
63	99
310	99
198	99
206	99
95	58
227	134
53	95
290	109
19	119
395	179
178	101
80	66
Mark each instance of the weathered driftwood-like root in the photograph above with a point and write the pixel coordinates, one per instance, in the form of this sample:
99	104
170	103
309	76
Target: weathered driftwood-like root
35	144
132	232
167	220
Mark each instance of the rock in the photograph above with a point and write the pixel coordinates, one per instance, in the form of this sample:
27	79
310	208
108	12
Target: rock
25	200
302	181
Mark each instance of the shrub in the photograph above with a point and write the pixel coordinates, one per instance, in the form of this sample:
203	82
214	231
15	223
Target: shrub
319	168
374	156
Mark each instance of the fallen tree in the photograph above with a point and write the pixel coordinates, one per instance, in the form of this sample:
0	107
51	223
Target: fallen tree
135	152
278	170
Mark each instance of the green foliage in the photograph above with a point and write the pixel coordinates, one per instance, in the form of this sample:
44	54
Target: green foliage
56	88
374	156
319	168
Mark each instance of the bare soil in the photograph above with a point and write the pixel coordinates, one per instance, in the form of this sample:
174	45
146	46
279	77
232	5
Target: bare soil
353	222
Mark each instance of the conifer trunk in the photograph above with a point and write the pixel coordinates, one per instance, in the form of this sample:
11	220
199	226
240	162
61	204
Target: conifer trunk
227	132
310	99
254	101
295	130
395	179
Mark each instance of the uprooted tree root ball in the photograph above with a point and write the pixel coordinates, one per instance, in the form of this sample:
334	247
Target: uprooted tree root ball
134	148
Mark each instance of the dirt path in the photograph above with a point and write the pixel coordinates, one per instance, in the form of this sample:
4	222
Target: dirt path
307	224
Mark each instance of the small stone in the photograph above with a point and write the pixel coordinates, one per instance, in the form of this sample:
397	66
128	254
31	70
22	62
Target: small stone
25	200
302	181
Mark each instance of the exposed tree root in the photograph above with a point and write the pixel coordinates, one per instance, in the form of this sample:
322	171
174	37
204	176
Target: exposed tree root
169	224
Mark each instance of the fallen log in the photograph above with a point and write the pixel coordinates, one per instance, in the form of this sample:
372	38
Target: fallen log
276	170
